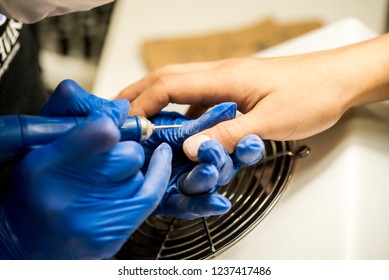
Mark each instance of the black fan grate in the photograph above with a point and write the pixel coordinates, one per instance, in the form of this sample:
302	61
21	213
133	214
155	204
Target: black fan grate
253	192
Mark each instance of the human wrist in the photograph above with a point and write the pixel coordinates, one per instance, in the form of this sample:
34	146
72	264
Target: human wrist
366	73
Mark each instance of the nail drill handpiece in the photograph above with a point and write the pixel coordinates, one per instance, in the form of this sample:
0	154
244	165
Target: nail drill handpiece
19	133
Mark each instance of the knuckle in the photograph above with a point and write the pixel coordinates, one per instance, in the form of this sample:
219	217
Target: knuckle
168	69
164	81
163	88
161	72
226	132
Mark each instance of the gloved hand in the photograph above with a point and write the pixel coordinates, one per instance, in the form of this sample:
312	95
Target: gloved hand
192	190
81	196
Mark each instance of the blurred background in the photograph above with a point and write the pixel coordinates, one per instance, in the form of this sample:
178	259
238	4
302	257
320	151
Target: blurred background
77	41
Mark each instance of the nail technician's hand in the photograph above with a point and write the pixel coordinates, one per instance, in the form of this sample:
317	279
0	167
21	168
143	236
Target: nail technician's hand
192	190
81	196
284	98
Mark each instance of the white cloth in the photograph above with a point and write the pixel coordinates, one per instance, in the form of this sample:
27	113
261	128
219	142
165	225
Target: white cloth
30	11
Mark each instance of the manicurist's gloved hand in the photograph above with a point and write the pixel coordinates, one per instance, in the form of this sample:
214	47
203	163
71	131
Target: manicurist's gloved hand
81	196
192	190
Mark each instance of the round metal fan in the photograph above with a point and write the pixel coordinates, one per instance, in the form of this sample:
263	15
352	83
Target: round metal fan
253	192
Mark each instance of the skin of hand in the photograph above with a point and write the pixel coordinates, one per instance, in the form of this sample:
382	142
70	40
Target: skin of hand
281	98
82	195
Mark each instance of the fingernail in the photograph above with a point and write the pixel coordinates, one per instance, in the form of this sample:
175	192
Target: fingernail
193	143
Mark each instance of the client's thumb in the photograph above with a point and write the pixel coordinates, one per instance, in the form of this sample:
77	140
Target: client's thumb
227	133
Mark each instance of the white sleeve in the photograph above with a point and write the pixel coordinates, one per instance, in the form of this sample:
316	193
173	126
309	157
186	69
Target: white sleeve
30	11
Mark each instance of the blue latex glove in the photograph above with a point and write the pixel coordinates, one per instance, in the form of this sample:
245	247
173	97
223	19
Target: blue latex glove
192	191
81	196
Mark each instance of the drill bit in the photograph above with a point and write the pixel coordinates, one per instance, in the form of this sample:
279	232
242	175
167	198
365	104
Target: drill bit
161	127
148	128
